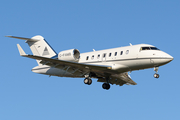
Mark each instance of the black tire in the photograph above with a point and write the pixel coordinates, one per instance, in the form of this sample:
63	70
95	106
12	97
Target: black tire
89	81
156	75
86	81
106	86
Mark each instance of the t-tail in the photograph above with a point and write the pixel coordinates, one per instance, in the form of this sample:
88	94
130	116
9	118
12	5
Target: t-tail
38	46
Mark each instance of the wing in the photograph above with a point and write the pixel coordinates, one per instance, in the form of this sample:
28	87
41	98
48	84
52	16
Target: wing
119	79
100	70
57	63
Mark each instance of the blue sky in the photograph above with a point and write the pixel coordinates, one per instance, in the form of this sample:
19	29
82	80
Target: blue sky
87	25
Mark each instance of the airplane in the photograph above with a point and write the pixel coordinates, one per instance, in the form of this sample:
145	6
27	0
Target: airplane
110	66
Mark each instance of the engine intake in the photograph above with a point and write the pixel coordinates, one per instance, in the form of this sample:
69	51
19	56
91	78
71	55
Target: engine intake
69	55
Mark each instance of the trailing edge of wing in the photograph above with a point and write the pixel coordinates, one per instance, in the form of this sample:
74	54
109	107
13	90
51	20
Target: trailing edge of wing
22	38
21	51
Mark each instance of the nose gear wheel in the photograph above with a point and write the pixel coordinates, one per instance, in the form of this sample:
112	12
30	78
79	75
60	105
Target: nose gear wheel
156	75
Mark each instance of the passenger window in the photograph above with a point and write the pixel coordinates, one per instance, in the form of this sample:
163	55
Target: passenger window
121	53
104	55
92	57
127	51
87	57
98	56
109	54
115	54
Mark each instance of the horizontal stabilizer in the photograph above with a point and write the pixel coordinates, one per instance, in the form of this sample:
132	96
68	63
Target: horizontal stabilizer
21	51
22	38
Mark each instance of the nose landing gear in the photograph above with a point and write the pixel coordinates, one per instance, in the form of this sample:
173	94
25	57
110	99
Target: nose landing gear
156	75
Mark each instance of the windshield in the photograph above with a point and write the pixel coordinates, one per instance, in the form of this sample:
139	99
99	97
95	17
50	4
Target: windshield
149	48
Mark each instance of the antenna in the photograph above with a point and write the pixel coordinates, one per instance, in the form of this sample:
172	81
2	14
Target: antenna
130	44
94	50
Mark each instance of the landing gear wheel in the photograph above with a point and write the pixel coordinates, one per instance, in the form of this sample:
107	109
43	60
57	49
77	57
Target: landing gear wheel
87	81
106	86
156	75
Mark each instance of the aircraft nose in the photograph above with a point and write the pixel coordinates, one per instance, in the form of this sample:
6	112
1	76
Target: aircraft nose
167	58
170	57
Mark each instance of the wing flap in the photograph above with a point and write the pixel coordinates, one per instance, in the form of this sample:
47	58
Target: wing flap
123	77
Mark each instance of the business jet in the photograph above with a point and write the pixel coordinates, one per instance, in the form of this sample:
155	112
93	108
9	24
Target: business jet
110	66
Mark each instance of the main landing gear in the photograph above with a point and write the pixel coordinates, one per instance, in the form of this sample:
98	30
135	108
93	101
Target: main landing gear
88	81
106	85
156	75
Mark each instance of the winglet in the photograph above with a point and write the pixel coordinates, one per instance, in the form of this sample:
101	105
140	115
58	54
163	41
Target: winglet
21	51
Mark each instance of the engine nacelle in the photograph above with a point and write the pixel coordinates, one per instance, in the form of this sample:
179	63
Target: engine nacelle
69	55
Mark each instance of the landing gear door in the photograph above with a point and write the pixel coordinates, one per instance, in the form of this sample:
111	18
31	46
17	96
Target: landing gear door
104	57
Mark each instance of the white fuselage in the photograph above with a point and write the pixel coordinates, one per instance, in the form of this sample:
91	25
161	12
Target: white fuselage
122	59
130	57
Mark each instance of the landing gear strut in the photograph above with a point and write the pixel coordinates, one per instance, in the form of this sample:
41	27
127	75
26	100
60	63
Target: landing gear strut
156	75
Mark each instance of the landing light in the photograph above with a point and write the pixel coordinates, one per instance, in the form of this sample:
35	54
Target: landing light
109	68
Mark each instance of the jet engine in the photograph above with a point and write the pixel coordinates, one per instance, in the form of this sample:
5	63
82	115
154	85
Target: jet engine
69	55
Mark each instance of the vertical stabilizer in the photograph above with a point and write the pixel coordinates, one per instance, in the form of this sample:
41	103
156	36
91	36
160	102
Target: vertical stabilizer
40	47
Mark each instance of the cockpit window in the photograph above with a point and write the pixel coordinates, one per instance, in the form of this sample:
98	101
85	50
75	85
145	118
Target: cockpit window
145	48
149	48
154	48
